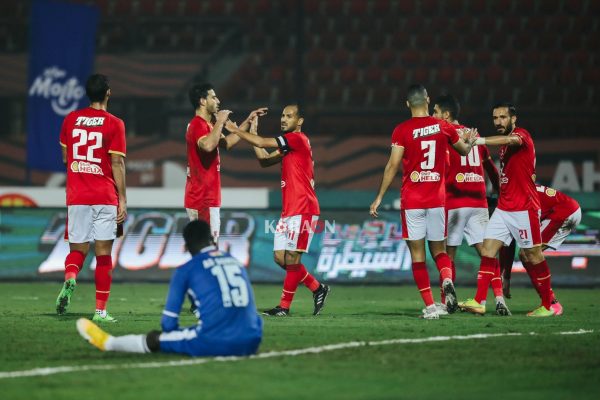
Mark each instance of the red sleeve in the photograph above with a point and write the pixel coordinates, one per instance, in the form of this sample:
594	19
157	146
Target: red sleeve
294	142
451	132
117	144
398	138
524	136
63	132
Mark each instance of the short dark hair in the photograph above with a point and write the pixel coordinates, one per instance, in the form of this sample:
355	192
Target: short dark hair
449	103
96	87
199	91
512	110
299	109
197	235
416	95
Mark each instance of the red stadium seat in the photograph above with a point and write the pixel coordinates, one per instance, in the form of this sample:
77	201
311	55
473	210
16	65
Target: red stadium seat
380	7
358	8
494	73
525	7
386	57
349	74
421	75
523	40
381	95
528	96
352	40
558	24
334	8
328	40
579	58
363	57
446	75
459	58
277	74
432	57
571	42
397	75
400	40
340	58
567	76
311	7
122	8
462	24
240	7
544	75
425	40
145	7
334	94
547	41
498	41
482	58
470	75
591	75
409	58
449	40
376	40
479	94
518	76
486	24
531	58
315	57
582	24
406	7
373	75
192	8
170	8
510	25
536	24
325	75
263	93
452	7
429	7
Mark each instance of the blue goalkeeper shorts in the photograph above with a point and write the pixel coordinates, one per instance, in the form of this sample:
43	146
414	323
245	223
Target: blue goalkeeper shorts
191	342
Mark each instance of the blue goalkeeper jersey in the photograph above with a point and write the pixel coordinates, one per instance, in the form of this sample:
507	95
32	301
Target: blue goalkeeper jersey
219	286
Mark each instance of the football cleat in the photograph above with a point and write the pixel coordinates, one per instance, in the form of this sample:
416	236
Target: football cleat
64	297
92	333
102	319
319	297
472	306
441	309
541	311
557	307
502	309
450	293
277	312
430	312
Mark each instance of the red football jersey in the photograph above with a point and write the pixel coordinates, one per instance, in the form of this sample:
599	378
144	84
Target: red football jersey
90	136
297	176
203	184
517	175
425	141
465	182
555	205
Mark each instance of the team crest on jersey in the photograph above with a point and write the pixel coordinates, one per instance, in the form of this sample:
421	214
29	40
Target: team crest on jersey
550	192
424	176
86	168
468	177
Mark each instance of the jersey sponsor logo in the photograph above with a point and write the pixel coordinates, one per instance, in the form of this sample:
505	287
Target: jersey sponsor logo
85	167
87	121
64	92
468	177
425	176
282	183
426	131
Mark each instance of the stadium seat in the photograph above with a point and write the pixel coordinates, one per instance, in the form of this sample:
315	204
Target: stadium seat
373	75
325	75
381	7
553	96
376	40
449	40
579	58
170	8
573	7
479	95
482	58
192	8
432	58
547	41
473	41
494	73
145	7
358	8
410	58
522	40
528	96
425	40
577	95
501	7
381	95
518	76
486	24
461	24
397	75
421	75
458	58
498	41
446	75
400	39
277	74
363	58
311	7
328	40
531	58
452	7
340	57
469	75
582	24
406	7
357	96
558	23
428	7
504	93
315	57
334	7
591	76
386	57
334	94
571	42
549	7
349	74
525	7
352	41
509	26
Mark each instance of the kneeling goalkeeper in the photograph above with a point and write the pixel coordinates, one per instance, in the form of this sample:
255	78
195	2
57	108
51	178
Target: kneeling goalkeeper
228	324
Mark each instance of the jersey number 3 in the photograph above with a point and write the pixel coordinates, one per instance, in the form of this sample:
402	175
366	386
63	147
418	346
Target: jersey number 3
429	155
84	139
234	290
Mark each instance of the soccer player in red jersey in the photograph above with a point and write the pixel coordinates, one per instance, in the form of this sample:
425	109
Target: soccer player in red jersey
203	140
420	144
93	150
300	211
560	214
517	214
466	201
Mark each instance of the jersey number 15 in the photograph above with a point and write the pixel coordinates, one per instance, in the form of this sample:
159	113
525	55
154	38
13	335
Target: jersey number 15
234	291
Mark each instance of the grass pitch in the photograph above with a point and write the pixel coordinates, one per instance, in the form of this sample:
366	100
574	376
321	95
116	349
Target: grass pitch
538	363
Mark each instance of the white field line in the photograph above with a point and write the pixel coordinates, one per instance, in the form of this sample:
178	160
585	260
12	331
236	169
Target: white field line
270	354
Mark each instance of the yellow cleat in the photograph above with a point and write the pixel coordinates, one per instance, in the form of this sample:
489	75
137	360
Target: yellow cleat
92	333
541	311
472	306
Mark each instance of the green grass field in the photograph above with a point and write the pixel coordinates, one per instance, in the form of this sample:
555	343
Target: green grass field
535	363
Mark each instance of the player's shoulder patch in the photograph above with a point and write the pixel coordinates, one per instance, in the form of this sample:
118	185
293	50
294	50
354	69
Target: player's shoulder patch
550	192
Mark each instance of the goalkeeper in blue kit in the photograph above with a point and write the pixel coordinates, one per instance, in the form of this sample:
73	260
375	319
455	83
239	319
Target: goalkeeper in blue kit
228	324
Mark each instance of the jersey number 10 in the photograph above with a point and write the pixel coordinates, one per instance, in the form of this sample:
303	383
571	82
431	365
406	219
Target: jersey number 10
84	139
473	158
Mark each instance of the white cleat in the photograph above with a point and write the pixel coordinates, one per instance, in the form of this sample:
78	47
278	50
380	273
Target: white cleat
430	312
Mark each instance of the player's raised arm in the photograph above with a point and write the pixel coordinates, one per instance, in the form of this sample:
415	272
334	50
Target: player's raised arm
391	169
509	140
227	142
254	139
264	158
209	142
465	143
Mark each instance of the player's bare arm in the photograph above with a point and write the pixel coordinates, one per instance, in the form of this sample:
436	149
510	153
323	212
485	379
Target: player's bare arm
229	141
118	170
210	142
64	153
254	139
465	143
500	140
391	169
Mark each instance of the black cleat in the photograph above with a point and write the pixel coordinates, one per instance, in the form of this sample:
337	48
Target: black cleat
277	312
502	309
450	293
319	296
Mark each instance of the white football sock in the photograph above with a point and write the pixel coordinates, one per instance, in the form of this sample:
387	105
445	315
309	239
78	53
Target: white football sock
127	343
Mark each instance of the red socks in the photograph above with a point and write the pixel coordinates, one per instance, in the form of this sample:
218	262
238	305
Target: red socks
497	281
73	264
103	280
540	277
294	274
419	270
485	275
444	266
